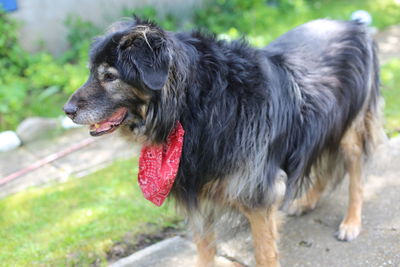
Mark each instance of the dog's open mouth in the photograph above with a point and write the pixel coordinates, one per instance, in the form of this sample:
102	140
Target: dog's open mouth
110	124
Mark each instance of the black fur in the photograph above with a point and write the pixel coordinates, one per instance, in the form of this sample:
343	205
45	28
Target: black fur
248	113
288	102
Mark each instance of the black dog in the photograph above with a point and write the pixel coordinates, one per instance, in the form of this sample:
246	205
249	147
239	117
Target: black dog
261	126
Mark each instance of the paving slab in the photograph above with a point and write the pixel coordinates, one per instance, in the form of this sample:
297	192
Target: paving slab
38	177
309	240
14	160
103	151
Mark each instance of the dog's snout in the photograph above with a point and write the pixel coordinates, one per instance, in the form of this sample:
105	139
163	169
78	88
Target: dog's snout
70	109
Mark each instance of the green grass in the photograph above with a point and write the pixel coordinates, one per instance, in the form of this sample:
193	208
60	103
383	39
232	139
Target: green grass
76	222
390	75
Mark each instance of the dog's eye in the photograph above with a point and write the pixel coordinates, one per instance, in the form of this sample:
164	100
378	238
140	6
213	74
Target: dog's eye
109	77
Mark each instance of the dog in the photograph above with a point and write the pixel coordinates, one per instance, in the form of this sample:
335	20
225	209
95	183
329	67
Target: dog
260	129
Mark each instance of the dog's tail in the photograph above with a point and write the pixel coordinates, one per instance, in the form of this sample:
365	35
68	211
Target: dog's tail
362	16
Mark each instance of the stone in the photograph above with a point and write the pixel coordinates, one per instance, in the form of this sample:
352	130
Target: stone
8	141
34	128
67	123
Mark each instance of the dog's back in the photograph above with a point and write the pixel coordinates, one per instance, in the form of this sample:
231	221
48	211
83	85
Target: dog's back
334	74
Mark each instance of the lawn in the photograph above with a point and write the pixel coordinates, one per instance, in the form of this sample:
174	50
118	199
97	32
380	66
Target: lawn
77	222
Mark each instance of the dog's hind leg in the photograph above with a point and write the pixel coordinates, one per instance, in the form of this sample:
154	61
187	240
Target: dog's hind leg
264	229
308	201
352	148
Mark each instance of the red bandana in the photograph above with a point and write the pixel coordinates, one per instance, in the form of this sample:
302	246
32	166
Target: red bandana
158	166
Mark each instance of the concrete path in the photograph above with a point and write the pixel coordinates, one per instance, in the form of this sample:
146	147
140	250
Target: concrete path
309	240
98	154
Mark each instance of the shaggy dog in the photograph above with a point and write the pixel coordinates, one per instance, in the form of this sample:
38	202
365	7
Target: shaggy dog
260	128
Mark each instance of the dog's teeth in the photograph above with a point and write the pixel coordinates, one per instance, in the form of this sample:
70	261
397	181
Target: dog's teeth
96	125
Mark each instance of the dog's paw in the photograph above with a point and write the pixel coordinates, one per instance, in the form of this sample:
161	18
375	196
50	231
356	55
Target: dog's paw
300	207
348	231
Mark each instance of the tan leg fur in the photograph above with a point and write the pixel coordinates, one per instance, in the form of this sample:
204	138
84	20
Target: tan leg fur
264	229
351	145
206	249
308	201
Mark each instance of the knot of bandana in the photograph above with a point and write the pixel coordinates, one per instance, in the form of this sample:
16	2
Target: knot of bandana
158	166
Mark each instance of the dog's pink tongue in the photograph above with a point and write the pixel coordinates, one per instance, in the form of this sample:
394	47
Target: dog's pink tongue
158	166
106	124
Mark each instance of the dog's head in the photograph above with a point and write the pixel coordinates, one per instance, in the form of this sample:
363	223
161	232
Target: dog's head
129	66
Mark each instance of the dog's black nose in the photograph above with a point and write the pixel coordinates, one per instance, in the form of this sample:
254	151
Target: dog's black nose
70	109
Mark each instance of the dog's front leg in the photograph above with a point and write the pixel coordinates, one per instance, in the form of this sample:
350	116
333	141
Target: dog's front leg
264	229
206	249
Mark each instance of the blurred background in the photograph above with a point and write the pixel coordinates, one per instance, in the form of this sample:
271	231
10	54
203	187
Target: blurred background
49	217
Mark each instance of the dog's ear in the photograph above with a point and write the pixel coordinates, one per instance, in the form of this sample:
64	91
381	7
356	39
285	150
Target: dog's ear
144	55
